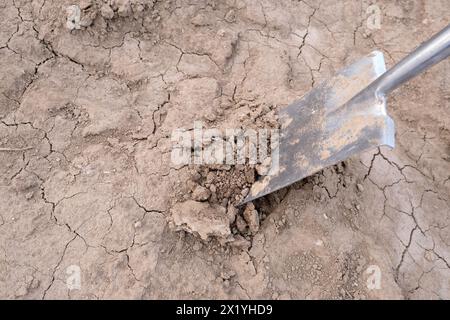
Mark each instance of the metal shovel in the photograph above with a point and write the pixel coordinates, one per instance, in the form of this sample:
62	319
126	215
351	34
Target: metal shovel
344	116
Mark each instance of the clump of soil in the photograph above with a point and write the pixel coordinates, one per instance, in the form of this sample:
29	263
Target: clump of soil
201	218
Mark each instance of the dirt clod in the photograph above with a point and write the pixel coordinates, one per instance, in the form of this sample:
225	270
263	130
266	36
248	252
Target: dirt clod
201	193
251	217
107	12
201	218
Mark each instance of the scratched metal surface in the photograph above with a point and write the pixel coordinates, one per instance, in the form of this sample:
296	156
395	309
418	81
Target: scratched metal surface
330	124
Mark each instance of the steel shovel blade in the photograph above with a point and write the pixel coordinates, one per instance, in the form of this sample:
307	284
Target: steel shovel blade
328	125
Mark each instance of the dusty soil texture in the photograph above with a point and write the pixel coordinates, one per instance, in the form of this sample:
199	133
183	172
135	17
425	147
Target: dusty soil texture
87	107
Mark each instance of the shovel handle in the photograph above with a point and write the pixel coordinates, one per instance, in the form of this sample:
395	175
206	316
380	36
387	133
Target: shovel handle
426	55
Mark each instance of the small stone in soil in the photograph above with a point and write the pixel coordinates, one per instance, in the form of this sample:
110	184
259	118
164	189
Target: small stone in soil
241	225
201	194
252	218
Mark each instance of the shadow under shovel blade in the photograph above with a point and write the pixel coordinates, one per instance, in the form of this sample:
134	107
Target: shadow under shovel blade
328	125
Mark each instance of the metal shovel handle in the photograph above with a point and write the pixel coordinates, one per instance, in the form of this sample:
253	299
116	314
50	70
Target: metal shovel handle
426	55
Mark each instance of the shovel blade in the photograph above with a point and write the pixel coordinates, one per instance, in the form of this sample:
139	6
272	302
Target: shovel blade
328	125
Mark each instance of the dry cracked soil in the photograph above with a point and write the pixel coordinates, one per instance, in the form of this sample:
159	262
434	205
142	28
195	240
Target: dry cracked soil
91	206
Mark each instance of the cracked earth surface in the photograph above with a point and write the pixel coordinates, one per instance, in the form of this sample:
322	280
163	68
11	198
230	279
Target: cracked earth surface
86	177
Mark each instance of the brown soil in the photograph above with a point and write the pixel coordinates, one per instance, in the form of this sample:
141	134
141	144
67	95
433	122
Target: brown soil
86	113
